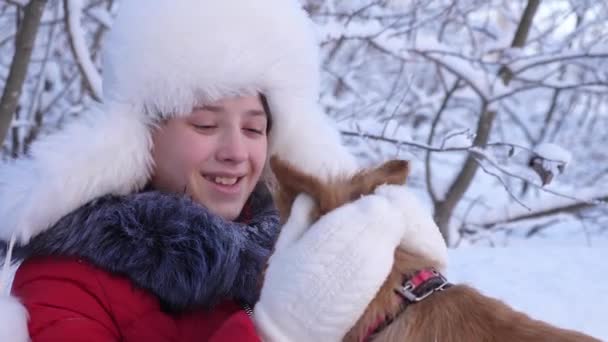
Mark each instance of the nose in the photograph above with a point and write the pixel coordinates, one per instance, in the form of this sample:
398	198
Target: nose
232	147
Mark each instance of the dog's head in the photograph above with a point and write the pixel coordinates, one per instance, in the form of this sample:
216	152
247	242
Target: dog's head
329	195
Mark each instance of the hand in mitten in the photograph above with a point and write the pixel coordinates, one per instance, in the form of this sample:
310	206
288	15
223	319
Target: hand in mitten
322	277
422	236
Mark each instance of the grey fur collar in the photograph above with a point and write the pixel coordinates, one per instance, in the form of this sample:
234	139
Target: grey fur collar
169	245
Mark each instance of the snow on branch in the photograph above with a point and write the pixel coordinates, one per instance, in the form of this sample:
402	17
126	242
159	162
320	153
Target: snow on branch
82	55
549	208
543	60
546	153
100	15
594	198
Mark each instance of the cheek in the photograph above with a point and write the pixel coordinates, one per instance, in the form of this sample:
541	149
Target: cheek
258	154
194	150
177	153
166	171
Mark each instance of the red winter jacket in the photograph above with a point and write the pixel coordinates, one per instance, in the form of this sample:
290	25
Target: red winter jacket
69	299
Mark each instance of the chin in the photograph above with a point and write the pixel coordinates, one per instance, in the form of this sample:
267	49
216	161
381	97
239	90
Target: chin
229	214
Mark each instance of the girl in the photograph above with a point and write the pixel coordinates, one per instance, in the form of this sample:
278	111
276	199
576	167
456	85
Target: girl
148	218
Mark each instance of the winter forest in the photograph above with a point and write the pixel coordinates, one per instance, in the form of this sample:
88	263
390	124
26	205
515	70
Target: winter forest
501	107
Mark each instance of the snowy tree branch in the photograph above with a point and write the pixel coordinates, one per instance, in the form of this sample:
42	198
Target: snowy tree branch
445	208
504	184
521	35
455	72
427	159
92	78
556	210
480	153
34	108
560	59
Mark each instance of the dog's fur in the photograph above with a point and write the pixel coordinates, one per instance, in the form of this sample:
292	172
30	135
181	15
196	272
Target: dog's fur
459	313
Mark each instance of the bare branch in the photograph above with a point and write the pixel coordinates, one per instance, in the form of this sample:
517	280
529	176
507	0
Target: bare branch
454	71
509	191
549	115
26	37
521	35
479	153
34	108
537	228
444	209
427	159
561	59
569	208
403	142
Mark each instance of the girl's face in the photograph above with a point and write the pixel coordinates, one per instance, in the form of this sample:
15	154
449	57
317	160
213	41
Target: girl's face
216	154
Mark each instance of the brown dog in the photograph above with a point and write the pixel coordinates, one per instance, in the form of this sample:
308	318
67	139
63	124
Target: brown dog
450	313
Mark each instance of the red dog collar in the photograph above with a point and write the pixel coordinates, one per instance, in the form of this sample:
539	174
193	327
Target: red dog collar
422	284
419	286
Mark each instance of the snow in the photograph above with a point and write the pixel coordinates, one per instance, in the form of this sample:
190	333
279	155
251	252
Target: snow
553	152
562	284
102	15
458	139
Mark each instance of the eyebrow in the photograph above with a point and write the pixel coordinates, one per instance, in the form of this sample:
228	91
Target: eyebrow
256	112
215	109
220	109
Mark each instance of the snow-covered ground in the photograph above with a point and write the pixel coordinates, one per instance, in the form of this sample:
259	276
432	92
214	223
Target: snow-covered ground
561	280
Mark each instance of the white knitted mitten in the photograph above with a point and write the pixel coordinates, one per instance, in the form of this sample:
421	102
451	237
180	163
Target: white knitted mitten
322	277
422	235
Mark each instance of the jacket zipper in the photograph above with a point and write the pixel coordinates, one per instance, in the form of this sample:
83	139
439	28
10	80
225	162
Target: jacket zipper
247	309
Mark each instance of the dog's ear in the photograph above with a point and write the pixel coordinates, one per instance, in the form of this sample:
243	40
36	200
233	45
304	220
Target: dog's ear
292	182
393	172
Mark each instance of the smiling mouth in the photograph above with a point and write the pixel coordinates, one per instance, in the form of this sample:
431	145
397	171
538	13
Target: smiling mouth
223	180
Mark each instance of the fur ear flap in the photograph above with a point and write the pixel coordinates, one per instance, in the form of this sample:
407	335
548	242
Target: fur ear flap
13	320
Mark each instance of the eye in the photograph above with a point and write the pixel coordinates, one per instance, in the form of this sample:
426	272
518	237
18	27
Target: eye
255	131
204	128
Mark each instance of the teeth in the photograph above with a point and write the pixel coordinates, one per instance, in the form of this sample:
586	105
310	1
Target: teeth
225	180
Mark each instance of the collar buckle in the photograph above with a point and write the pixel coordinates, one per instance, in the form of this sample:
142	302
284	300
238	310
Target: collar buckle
423	284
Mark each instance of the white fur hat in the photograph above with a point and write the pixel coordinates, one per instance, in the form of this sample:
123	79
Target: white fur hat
162	58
